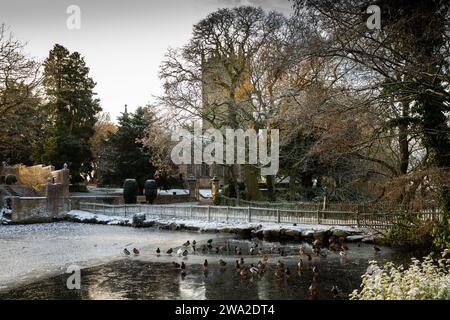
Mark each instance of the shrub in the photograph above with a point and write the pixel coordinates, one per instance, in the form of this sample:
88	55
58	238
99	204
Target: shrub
150	190
218	199
410	231
130	191
10	179
424	280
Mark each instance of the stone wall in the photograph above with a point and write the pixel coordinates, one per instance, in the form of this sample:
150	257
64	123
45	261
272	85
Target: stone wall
36	209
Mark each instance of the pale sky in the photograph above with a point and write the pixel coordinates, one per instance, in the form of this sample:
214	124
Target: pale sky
123	42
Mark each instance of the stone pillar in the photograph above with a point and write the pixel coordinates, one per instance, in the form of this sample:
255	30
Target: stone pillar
214	187
65	181
192	186
53	194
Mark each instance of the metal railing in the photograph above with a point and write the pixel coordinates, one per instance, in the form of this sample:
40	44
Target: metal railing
228	214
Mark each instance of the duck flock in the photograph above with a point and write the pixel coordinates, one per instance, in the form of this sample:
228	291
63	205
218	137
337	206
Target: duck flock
255	270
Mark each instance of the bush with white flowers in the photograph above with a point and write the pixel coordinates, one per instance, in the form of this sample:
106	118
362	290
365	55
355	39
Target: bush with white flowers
422	280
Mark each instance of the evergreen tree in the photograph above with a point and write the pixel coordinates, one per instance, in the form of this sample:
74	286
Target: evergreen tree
129	157
71	113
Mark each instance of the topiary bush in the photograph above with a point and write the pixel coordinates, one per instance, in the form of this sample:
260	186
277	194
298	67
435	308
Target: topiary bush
10	179
150	190
130	191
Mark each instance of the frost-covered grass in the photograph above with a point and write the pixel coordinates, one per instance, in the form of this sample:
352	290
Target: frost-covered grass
422	280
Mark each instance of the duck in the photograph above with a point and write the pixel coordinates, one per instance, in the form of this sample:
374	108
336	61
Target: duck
244	273
334	292
315	271
301	250
176	265
169	251
376	248
185	253
135	251
210	241
315	251
316	243
252	251
312	289
280	264
261	266
238	266
254	270
158	251
242	261
300	265
222	263
279	274
183	268
126	252
179	252
205	265
204	249
187	243
287	273
194	242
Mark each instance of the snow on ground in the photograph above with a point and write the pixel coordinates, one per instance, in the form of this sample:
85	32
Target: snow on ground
172	191
85	216
205	225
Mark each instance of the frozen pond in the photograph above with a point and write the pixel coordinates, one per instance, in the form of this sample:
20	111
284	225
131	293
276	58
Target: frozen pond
36	257
30	252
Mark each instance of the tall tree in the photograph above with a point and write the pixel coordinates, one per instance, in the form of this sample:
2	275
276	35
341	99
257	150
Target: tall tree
71	108
130	158
228	75
20	105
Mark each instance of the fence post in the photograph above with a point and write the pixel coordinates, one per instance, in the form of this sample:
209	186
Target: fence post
318	216
228	212
278	216
357	218
249	214
209	213
95	208
190	211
